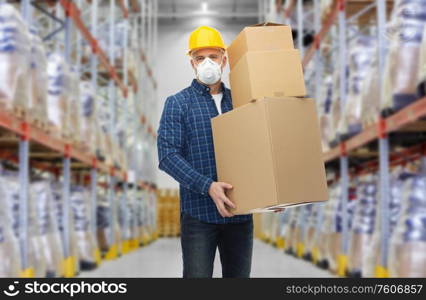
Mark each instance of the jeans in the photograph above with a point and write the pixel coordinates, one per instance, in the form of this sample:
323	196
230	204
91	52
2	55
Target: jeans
199	241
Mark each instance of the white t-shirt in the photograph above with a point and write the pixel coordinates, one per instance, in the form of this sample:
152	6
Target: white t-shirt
217	100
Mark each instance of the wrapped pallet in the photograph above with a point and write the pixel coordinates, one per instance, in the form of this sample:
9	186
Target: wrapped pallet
363	224
88	101
314	222
49	229
15	75
329	241
403	59
290	230
335	109
324	110
407	253
37	106
102	226
362	49
80	202
74	107
58	99
10	264
56	188
332	236
370	96
10	192
373	256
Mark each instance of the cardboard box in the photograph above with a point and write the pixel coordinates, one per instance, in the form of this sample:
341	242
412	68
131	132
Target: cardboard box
259	37
270	151
274	73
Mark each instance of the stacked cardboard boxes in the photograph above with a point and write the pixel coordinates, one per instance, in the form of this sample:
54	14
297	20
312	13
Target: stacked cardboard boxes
168	220
268	147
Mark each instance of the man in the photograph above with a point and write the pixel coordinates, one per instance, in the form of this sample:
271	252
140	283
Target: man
186	152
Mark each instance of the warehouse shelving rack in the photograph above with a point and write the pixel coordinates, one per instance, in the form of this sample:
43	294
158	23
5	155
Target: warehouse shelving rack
344	12
141	14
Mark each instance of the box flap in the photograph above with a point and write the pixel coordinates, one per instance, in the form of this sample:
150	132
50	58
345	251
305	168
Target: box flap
266	24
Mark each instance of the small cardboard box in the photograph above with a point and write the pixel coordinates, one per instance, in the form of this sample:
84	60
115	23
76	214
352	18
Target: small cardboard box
272	73
259	37
270	152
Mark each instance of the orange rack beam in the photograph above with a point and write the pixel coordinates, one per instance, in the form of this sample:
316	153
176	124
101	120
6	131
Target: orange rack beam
404	117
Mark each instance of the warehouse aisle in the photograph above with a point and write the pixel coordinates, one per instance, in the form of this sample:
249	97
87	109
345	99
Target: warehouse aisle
163	259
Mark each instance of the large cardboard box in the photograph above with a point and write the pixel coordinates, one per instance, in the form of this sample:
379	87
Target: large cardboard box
270	151
260	37
272	73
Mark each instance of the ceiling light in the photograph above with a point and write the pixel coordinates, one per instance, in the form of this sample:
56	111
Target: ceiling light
204	7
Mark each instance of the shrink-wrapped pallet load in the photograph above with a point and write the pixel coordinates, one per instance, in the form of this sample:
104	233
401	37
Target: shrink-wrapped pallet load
407	253
403	59
15	59
49	229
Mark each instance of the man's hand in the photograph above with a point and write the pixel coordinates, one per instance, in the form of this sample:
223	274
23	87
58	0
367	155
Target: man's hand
217	192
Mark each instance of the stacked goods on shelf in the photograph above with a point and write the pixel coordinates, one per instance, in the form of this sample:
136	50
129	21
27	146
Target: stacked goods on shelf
59	93
118	234
363	224
37	107
15	75
403	60
10	265
373	256
80	203
105	147
152	212
361	51
370	95
332	227
267	220
282	220
266	80
11	191
290	231
301	229
147	232
124	219
161	220
57	191
407	253
132	213
336	107
141	233
313	223
315	244
421	81
74	107
324	111
49	230
104	227
88	115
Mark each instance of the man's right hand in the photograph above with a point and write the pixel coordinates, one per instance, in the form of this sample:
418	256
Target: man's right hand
217	192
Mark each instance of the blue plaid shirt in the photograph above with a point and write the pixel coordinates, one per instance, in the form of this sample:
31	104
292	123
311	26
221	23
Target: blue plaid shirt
186	152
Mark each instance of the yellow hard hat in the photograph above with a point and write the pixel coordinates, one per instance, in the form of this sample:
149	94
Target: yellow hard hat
205	37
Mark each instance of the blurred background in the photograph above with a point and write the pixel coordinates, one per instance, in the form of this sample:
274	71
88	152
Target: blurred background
82	88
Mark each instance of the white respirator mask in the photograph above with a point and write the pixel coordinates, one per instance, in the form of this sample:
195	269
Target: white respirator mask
209	72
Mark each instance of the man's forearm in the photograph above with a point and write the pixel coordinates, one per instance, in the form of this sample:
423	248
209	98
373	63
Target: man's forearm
177	167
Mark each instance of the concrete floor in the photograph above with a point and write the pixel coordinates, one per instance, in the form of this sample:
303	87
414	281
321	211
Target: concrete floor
163	259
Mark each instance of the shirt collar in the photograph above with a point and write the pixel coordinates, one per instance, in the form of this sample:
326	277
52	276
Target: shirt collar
201	88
